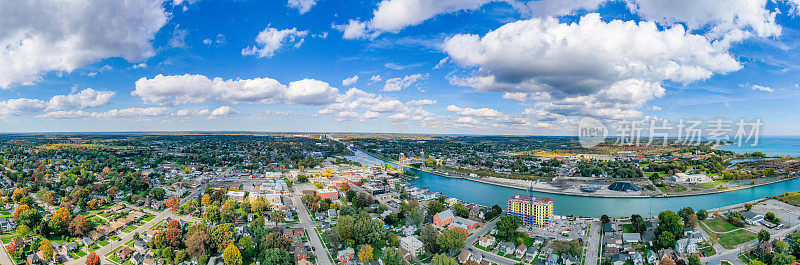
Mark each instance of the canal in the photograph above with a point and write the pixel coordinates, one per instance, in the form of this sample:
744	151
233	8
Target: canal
487	194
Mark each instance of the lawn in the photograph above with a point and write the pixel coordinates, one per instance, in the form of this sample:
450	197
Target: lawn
157	225
7	239
627	228
102	243
672	188
792	198
730	240
708	251
720	225
114	237
149	217
711	185
129	228
79	253
97	221
6	214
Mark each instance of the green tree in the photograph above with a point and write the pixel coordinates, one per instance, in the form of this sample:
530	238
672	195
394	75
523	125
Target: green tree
276	256
442	259
46	248
392	256
638	223
756	262
782	259
666	239
232	255
461	210
23	231
694	259
451	240
248	247
702	214
435	207
669	222
507	227
763	236
428	235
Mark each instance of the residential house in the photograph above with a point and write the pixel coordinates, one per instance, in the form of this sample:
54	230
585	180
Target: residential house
552	259
631	238
685	246
519	252
610	227
531	254
70	247
137	258
652	258
411	245
463	257
346	254
124	253
637	258
619	259
409	230
568	259
506	247
486	241
33	259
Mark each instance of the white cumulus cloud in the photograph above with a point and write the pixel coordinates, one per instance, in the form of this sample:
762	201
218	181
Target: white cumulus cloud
41	36
399	83
302	6
271	40
350	81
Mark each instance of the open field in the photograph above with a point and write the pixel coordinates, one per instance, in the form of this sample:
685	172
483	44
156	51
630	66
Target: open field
732	239
720	225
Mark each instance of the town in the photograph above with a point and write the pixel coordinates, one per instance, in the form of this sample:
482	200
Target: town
308	199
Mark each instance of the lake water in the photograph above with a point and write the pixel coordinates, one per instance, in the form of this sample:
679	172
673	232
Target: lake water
770	145
487	194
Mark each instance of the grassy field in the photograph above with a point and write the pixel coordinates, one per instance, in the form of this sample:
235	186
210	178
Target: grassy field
719	225
730	240
102	243
149	217
157	225
672	188
711	185
627	228
792	198
97	221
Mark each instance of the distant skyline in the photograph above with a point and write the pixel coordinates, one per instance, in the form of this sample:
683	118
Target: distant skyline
395	66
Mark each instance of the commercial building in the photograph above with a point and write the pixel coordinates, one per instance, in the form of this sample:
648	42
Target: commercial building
328	194
535	211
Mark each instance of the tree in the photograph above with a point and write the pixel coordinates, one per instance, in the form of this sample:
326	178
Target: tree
80	226
702	214
23	231
435	207
392	256
451	240
638	223
417	216
690	220
782	259
275	240
206	200
365	253
173	203
276	256
350	195
429	235
669	222
666	261
248	247
174	233
276	216
232	255
693	258
763	236
461	210
666	239
507	227
748	207
157	193
197	240
222	236
93	259
604	219
212	214
46	248
27	216
442	259
756	262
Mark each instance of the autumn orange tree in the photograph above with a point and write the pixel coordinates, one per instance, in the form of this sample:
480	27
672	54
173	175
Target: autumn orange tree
174	233
93	259
173	203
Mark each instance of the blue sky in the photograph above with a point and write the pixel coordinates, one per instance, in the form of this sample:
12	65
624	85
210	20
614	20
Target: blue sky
422	66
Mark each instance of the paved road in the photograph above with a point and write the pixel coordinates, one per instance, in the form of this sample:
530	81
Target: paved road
487	255
305	222
594	244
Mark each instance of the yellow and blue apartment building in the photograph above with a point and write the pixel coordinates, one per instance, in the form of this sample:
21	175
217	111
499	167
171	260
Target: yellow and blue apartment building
537	211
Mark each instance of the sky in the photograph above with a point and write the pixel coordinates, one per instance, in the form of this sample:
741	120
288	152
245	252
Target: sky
395	66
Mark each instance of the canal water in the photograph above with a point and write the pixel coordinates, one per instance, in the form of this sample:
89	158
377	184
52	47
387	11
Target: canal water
487	194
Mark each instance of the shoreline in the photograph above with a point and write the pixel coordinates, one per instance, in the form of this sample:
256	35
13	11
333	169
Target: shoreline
781	179
582	194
